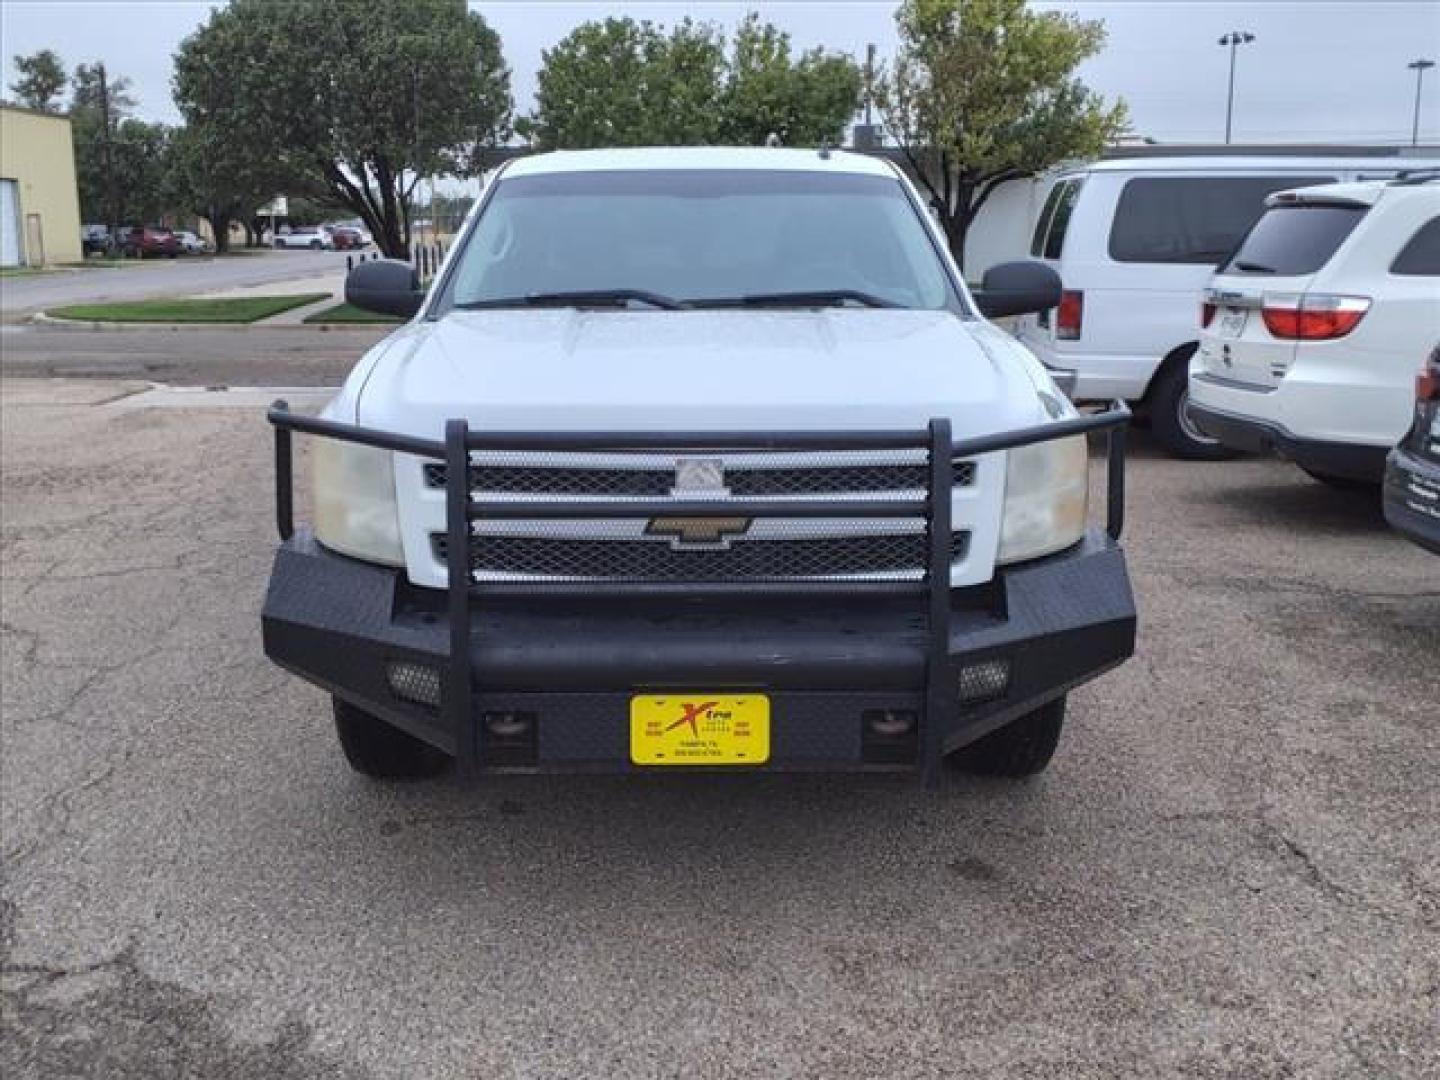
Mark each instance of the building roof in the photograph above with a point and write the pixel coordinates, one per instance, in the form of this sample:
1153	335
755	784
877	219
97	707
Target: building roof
699	157
8	106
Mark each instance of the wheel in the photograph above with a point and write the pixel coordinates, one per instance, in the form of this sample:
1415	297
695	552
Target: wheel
1342	483
1170	420
1022	747
279	245
374	748
315	245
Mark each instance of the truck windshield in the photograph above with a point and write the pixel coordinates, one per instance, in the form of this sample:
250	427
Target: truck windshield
701	238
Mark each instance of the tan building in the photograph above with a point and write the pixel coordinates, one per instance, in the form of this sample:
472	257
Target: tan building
39	200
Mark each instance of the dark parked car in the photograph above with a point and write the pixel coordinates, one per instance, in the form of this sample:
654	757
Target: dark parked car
94	239
147	241
347	239
1412	472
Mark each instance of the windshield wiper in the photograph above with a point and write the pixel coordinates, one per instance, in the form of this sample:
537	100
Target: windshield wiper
808	298
580	298
1253	268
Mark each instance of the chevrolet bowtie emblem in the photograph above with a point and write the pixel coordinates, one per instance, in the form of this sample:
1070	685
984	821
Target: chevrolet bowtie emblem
700	531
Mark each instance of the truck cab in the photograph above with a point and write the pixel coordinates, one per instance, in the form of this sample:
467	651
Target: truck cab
699	458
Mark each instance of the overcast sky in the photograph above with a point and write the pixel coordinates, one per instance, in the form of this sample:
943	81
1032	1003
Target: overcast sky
1319	70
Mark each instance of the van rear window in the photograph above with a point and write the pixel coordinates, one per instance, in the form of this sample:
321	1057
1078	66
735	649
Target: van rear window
1295	239
1049	238
1195	220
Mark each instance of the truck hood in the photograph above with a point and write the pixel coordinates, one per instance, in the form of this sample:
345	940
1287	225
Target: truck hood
562	369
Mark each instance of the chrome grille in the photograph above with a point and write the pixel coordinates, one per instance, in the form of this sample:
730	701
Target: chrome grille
763	549
755	477
895	557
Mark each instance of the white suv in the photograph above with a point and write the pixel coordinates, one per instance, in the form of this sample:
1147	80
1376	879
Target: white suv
699	457
312	237
1135	241
1312	327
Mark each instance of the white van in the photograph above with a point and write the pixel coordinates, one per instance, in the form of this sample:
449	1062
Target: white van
1135	242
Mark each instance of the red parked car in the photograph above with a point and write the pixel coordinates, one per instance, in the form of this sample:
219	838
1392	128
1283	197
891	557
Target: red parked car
347	239
145	241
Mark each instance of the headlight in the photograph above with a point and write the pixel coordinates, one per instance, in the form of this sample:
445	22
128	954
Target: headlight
1047	495
355	511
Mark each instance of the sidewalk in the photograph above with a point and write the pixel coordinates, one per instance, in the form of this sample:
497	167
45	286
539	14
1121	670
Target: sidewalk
331	282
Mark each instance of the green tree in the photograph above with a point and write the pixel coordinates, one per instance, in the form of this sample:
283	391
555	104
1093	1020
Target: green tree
625	83
142	162
619	82
805	102
984	91
96	90
99	104
353	102
212	177
41	81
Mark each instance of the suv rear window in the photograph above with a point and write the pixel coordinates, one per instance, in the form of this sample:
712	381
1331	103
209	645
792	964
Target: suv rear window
1295	239
1421	256
1049	238
1194	220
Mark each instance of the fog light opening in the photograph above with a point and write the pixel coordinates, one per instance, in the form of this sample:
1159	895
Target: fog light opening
984	681
409	681
509	739
890	723
508	725
889	736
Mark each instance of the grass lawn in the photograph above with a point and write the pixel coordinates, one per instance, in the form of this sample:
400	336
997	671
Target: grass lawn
26	271
241	309
346	313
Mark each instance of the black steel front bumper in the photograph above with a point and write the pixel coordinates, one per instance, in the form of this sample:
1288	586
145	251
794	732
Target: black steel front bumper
1350	461
573	663
1412	498
569	657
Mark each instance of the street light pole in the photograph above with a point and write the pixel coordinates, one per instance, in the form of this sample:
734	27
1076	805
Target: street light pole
1419	67
1234	39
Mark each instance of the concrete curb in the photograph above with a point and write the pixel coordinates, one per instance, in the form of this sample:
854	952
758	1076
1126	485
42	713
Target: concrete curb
42	318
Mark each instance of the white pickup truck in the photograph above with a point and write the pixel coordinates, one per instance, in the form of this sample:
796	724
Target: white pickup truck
699	458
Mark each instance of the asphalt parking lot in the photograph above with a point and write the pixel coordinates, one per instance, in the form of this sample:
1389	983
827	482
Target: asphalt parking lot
1231	870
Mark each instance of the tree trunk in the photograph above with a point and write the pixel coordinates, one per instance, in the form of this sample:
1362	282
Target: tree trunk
220	227
956	224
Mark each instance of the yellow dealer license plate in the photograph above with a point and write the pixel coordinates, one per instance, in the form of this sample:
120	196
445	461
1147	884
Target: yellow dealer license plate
700	729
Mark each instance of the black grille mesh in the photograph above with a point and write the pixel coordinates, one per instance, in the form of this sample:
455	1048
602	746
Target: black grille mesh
781	559
657	483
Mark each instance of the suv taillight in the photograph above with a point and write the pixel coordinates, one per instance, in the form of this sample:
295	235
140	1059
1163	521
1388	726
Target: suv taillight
1427	383
1070	315
1207	314
1314	316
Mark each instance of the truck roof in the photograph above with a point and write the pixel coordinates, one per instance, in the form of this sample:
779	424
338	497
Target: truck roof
699	157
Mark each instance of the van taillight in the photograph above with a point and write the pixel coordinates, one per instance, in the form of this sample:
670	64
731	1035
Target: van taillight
1070	315
1207	314
1313	317
1427	383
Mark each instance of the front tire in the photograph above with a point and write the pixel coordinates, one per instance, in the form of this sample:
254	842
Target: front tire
1021	748
1170	420
374	748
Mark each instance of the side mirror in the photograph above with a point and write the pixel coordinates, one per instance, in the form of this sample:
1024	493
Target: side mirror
1018	288
385	286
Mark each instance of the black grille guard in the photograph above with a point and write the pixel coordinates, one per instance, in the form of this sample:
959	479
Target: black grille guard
461	508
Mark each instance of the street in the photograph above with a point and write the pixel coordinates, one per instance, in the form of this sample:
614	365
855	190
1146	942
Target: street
23	296
197	356
1230	870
